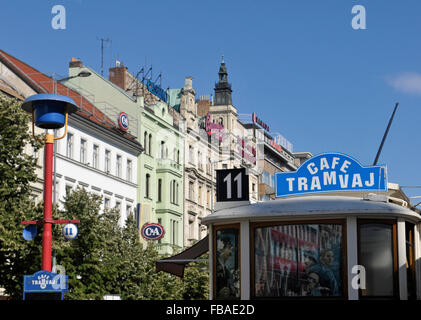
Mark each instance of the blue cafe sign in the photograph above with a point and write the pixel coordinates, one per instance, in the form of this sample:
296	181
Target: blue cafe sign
330	172
44	281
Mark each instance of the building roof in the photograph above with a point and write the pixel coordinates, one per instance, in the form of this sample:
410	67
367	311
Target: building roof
42	83
310	207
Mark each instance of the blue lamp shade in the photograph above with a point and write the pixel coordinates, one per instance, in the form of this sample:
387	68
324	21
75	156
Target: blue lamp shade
49	109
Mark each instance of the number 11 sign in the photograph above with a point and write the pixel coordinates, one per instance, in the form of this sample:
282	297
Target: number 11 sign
232	185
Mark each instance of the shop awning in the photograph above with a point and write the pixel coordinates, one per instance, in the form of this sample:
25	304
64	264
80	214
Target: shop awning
176	264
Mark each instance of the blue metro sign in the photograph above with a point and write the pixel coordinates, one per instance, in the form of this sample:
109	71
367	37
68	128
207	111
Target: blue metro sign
330	172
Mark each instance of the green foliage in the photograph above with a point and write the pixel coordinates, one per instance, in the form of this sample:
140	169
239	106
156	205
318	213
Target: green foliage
17	170
196	280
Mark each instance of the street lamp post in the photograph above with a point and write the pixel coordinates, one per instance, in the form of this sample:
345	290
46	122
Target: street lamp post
49	111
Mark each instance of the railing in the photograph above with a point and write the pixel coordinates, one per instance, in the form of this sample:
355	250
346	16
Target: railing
168	163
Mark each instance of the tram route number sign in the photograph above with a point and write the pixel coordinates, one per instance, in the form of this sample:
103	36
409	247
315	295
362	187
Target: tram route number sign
232	185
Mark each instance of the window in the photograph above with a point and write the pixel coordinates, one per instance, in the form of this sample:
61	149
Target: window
118	206
68	189
69	145
176	193
128	210
191	191
147	184
191	229
199	160
83	146
150	144
199	194
159	190
129	170
145	142
208	166
191	155
199	232
377	255
95	155
298	260
107	161
174	232
227	263
207	198
162	150
107	203
118	166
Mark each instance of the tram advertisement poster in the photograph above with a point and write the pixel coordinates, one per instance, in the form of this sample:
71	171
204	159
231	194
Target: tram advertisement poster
227	264
298	260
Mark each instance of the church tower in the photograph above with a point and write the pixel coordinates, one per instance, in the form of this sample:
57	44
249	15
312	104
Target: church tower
223	89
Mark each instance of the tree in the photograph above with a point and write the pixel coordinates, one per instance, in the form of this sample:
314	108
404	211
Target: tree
106	258
17	171
196	280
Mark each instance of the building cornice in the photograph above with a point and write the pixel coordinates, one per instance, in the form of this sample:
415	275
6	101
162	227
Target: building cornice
82	123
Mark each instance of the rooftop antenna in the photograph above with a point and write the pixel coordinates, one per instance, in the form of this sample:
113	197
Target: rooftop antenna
102	53
385	134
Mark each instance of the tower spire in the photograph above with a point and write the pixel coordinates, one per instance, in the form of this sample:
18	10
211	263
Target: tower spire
222	87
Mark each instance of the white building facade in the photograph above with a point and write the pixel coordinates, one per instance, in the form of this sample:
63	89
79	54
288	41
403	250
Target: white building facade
99	160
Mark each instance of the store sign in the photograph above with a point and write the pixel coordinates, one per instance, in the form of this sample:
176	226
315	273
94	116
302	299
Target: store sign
44	281
152	231
215	129
246	151
330	172
260	122
123	121
275	145
156	90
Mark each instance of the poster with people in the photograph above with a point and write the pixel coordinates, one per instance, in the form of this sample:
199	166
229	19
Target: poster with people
298	260
227	264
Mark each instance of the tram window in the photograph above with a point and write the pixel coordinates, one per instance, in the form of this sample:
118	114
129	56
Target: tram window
410	261
227	264
378	256
298	260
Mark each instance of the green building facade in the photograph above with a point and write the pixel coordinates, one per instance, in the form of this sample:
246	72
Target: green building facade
160	173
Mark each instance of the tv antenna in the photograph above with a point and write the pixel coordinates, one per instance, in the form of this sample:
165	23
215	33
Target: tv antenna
102	53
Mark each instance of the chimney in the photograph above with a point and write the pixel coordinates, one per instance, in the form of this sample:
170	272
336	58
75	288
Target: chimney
75	63
118	75
188	83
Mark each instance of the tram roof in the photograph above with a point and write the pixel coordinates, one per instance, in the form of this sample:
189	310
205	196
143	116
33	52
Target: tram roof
312	207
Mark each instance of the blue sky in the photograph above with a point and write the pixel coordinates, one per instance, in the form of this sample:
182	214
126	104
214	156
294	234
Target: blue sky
297	63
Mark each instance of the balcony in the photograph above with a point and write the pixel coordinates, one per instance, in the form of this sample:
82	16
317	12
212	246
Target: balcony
167	164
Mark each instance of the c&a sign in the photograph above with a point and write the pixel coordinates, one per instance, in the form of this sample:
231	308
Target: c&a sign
330	172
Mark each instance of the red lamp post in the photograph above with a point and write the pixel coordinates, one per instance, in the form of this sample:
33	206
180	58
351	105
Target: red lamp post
49	111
